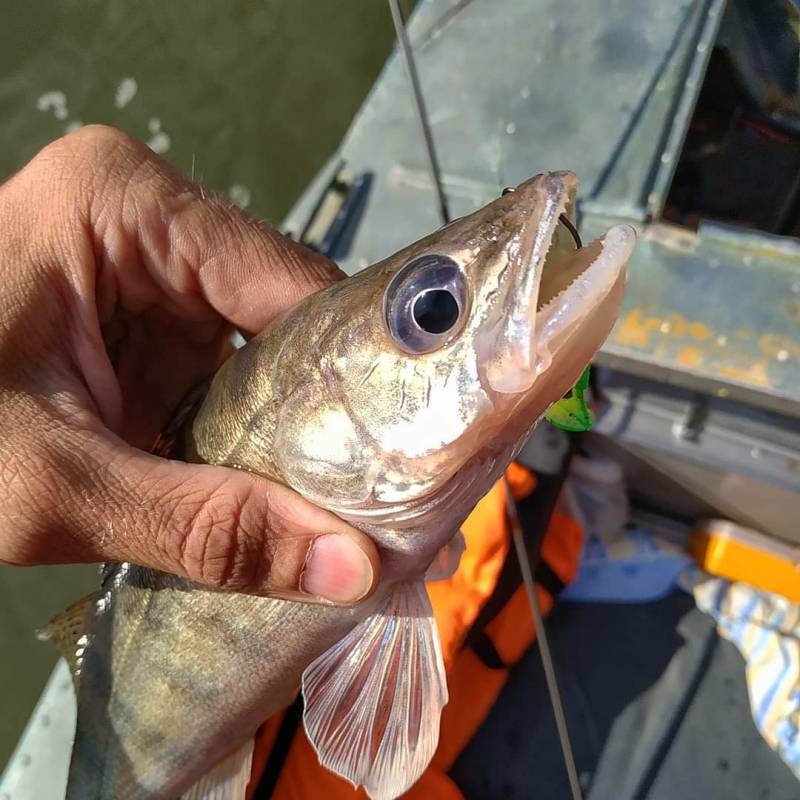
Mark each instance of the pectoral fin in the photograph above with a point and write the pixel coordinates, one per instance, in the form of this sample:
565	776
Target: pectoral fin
446	562
374	700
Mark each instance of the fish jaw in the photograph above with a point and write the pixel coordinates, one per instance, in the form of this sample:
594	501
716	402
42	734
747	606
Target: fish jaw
580	288
588	306
535	208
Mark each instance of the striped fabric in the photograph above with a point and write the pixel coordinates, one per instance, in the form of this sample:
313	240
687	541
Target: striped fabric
766	629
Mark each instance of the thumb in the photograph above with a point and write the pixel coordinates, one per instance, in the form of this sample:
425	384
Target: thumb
221	527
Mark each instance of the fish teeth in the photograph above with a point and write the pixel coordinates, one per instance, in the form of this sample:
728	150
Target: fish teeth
615	250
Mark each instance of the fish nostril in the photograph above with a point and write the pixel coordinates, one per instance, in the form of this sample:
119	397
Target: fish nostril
508	190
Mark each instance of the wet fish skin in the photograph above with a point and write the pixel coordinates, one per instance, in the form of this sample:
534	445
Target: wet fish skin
401	445
178	675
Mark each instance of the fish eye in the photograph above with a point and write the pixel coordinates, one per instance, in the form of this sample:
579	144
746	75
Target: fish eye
425	303
435	311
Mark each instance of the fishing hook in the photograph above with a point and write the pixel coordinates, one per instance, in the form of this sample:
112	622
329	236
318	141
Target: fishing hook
562	218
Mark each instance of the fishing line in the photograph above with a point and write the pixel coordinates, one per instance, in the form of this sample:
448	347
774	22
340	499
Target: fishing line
544	646
419	105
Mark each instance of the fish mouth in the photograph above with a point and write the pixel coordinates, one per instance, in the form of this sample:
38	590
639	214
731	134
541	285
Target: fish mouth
560	292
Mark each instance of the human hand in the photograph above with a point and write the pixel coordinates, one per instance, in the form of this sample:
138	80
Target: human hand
120	284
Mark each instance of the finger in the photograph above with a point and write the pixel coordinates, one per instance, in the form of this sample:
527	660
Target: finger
120	232
158	237
224	528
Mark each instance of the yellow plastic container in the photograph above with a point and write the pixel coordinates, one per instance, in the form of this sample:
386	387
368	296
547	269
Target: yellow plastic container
741	554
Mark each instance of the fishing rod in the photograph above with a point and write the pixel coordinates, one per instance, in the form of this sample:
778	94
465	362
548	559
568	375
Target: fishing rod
422	111
513	517
544	644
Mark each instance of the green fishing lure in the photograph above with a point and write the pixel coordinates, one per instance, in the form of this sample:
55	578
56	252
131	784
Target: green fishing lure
571	412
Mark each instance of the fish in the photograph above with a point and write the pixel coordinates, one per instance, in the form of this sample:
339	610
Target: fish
394	398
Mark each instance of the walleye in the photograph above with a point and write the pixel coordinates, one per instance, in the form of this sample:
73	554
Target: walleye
395	398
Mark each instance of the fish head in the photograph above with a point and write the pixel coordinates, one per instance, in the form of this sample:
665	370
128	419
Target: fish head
485	322
397	397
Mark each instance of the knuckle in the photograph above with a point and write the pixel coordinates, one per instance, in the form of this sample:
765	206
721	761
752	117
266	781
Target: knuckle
29	490
321	271
22	480
217	540
94	143
308	268
83	161
280	520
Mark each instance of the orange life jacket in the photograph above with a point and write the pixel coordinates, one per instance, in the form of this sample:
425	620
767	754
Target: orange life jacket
485	626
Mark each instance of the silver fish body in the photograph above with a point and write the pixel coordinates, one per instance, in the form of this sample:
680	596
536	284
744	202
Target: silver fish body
177	676
394	399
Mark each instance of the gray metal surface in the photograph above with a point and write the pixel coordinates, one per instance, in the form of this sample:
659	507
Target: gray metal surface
692	490
543	85
38	768
694	455
606	90
717	310
422	111
701	430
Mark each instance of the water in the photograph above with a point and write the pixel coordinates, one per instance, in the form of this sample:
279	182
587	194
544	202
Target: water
255	94
250	96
